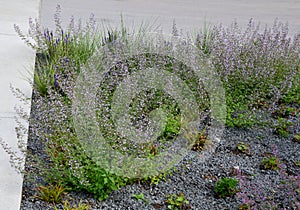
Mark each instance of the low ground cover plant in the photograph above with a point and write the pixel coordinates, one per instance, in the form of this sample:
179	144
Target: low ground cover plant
226	187
270	163
259	70
177	202
68	206
243	148
254	195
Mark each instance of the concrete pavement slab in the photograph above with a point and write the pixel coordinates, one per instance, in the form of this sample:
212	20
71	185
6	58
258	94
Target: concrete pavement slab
10	181
16	65
16	12
15	59
188	14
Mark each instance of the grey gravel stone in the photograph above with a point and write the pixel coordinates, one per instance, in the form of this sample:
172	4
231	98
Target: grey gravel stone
194	178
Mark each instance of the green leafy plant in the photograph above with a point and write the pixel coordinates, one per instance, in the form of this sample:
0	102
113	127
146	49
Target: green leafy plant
270	163
51	193
244	206
282	127
293	95
75	169
226	187
68	206
177	202
243	148
297	163
138	196
284	112
296	138
156	179
172	126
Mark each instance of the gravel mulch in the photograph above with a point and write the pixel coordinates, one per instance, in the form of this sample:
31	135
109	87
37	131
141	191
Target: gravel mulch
193	177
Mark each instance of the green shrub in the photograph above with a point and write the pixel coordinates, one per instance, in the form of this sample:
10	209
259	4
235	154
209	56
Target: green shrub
226	187
74	168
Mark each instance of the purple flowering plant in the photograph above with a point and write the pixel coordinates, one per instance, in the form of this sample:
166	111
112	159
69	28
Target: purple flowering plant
254	195
259	67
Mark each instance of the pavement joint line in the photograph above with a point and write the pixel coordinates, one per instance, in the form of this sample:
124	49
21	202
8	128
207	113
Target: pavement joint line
12	117
7	34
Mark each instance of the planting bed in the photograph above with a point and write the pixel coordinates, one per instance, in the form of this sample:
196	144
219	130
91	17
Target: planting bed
256	164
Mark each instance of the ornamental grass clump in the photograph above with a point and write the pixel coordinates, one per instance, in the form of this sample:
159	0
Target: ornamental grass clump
258	67
51	194
76	43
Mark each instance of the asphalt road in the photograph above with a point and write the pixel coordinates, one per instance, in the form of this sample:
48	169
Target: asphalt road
189	15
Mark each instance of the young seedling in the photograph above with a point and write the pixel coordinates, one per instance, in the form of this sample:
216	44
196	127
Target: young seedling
270	163
156	179
244	206
68	206
177	202
243	148
296	138
282	128
138	196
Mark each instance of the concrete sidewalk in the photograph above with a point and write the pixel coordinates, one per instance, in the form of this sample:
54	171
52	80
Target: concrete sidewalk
189	15
15	58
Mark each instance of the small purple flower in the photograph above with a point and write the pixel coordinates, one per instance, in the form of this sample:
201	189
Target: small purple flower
66	40
66	60
55	81
45	34
275	149
57	40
